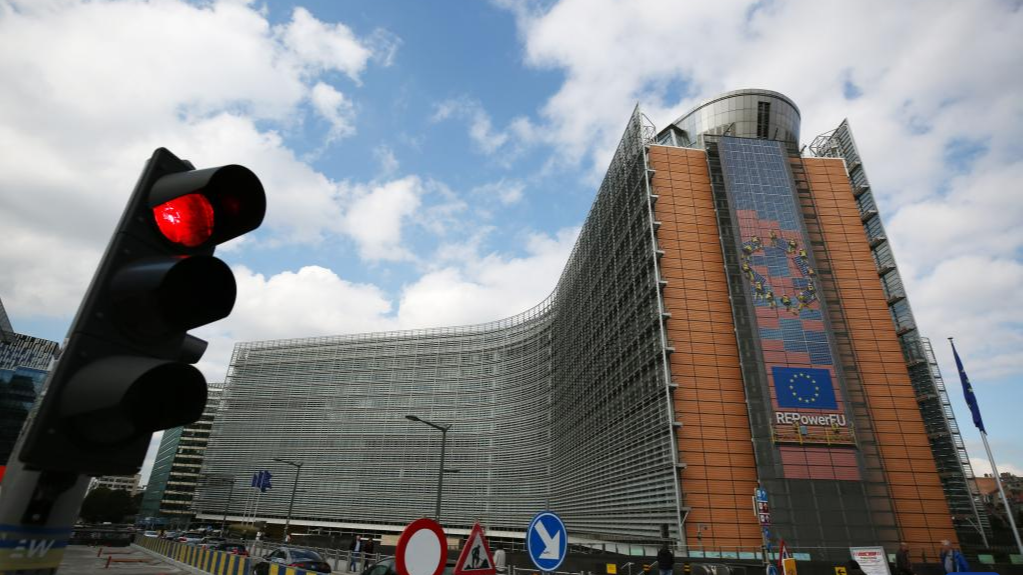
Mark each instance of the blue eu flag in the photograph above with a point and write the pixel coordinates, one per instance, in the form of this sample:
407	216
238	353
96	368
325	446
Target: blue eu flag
804	387
971	400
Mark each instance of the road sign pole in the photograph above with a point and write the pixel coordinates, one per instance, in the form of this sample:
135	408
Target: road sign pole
37	510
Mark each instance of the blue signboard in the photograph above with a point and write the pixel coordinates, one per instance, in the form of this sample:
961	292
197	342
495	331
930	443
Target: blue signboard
547	541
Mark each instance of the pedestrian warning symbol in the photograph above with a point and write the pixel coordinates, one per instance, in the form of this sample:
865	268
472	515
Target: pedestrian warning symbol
475	558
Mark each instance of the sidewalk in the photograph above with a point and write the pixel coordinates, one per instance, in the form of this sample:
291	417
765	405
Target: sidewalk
82	560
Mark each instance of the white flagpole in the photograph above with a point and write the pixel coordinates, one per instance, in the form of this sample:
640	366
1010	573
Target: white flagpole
1005	502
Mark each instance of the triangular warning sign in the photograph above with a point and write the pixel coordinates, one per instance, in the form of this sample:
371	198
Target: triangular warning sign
476	558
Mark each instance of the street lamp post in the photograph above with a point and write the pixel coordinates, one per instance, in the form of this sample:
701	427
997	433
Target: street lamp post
230	494
440	471
291	505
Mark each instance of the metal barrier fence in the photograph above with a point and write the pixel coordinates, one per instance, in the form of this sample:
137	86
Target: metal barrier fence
208	560
339	559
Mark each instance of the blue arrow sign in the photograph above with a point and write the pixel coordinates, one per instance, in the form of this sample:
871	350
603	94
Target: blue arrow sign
547	541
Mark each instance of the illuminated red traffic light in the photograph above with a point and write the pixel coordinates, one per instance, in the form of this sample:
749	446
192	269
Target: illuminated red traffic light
186	220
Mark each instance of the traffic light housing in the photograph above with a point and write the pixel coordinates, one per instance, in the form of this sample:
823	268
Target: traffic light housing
126	370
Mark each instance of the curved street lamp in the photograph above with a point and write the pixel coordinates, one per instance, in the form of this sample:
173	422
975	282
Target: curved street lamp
441	471
294	487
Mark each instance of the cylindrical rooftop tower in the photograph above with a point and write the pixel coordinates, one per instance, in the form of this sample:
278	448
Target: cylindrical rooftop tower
749	113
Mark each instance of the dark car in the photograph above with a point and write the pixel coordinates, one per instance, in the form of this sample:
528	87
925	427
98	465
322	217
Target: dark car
232	548
386	567
293	557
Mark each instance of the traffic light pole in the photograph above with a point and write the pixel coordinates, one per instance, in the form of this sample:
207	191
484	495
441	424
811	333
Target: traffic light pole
37	510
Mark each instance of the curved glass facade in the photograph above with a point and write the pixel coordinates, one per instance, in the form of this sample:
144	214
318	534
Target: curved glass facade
338	406
759	114
561	407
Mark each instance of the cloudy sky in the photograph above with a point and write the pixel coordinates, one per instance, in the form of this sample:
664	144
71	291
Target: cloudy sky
430	163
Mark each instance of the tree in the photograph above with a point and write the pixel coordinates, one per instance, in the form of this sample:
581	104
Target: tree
104	504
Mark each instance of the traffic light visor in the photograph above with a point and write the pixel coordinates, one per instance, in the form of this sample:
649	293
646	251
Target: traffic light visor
117	399
210	206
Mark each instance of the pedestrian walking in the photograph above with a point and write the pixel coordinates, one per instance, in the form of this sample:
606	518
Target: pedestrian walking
356	547
665	561
500	562
952	560
368	548
902	564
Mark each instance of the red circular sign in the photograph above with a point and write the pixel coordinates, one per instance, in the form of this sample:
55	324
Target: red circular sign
422	549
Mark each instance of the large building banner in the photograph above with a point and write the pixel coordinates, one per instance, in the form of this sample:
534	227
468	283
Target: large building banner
809	417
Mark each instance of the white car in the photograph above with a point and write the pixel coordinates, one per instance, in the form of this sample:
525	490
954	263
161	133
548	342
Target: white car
151	534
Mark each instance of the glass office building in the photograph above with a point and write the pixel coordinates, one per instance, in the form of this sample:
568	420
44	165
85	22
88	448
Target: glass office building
24	365
721	326
167	501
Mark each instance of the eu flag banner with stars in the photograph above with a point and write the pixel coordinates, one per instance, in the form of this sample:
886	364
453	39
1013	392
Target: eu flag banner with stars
804	387
971	400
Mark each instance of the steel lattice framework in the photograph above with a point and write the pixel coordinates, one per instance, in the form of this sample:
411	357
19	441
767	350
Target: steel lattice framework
947	445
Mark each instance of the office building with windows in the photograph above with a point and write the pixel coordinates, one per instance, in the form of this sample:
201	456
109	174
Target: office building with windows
129	483
730	320
176	471
24	365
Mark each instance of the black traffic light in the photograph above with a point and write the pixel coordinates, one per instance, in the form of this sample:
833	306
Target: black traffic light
125	371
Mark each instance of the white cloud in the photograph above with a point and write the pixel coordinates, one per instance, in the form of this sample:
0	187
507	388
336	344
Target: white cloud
481	129
982	467
91	88
310	302
384	45
967	297
503	191
315	301
384	156
334	108
482	289
320	46
377	214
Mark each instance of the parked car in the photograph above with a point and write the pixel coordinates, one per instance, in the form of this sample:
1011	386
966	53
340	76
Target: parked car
211	541
232	548
172	535
293	557
386	566
151	534
190	537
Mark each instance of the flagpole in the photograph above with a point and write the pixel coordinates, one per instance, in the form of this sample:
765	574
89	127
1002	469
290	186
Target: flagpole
1005	502
971	401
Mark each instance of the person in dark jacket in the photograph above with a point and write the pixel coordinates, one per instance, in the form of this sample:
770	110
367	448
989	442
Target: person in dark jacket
665	561
903	566
368	548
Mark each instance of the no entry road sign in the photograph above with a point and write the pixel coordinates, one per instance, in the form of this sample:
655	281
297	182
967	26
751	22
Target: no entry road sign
422	549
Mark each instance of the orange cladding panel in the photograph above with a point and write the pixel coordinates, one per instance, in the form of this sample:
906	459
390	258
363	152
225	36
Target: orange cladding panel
714	441
913	480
